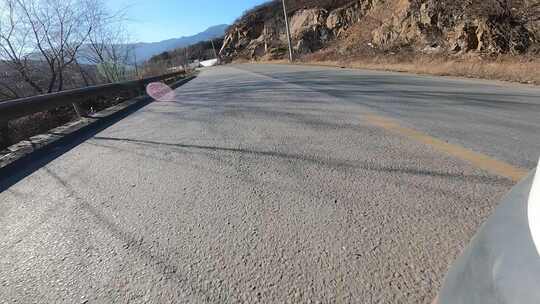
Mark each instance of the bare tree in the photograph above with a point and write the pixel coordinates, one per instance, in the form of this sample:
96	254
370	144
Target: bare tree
59	28
42	39
108	46
7	91
16	45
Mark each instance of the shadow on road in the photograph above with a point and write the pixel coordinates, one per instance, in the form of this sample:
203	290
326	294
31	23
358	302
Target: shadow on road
330	163
133	244
25	166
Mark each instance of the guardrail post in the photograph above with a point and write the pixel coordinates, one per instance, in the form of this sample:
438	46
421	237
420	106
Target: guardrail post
77	109
4	132
142	88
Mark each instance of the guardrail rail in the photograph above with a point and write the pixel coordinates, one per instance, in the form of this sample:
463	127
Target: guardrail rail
17	108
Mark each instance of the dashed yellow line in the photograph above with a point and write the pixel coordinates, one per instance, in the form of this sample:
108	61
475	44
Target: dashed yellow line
479	160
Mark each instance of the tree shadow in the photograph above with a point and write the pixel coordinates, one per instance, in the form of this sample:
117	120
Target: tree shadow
131	242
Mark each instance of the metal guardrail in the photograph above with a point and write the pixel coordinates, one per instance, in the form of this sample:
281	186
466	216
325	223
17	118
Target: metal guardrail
17	108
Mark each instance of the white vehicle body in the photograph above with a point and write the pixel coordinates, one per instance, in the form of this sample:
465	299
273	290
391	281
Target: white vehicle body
502	262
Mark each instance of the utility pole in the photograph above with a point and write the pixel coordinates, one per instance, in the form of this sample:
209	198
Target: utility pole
288	31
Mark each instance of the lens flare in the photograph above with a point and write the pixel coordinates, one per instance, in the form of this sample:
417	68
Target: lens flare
160	92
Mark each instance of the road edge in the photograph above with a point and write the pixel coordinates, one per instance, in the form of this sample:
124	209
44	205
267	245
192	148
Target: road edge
337	66
21	152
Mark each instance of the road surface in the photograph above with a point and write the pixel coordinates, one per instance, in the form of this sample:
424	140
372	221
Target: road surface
271	184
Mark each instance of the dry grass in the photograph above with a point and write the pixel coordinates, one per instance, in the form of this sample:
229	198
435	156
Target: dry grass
511	69
514	71
506	69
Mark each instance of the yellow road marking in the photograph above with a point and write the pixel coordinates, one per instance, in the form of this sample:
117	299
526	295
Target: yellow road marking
479	160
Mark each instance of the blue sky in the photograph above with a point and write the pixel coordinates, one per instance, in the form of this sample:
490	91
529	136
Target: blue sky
156	20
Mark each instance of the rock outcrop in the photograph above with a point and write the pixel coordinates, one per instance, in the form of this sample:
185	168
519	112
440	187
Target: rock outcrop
449	26
486	26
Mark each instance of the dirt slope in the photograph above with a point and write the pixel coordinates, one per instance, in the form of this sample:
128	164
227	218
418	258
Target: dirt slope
449	27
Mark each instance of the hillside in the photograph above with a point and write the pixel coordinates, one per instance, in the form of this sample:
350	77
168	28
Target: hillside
145	51
388	31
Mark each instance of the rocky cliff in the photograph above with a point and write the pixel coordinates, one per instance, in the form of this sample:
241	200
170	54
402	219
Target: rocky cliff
427	26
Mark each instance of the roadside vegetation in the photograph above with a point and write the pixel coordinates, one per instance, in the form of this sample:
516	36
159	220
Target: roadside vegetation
48	46
181	58
51	45
522	69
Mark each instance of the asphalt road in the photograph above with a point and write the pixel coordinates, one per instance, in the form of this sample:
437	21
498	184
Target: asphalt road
262	183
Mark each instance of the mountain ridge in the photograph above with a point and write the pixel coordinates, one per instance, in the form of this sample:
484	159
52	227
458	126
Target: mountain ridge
145	50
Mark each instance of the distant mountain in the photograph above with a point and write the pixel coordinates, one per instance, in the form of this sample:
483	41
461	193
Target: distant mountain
144	51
